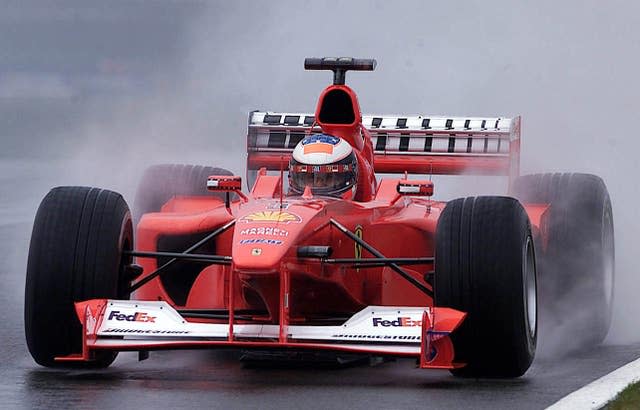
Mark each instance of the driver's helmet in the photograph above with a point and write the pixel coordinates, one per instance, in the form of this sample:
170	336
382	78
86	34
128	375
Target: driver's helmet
325	163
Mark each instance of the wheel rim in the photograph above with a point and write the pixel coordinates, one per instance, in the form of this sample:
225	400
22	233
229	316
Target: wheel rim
530	295
126	244
608	257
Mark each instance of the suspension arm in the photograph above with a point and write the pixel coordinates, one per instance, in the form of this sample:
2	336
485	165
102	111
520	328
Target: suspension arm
377	254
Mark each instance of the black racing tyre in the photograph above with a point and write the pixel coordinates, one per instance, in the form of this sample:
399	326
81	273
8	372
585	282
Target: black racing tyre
76	254
485	266
159	183
577	265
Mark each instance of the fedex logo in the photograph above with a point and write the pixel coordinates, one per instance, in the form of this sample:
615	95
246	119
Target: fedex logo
136	317
399	322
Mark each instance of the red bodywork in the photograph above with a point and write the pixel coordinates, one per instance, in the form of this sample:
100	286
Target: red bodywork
267	282
304	222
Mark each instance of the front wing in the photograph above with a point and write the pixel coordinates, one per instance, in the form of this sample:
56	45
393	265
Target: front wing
124	325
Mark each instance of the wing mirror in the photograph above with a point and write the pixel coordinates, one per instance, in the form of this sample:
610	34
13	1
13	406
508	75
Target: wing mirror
227	184
224	183
415	187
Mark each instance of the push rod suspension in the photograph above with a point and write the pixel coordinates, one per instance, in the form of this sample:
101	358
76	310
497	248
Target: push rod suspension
164	267
377	254
381	261
197	257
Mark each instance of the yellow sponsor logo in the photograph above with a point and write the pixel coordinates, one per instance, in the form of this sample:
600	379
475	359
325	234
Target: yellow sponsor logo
272	216
358	247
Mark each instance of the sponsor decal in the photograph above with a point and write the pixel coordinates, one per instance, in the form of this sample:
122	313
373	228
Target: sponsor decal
136	317
321	138
358	248
278	205
256	251
147	332
271	216
319	144
325	169
378	337
265	231
399	322
261	240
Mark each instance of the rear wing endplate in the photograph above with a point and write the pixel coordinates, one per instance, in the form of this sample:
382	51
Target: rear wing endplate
415	144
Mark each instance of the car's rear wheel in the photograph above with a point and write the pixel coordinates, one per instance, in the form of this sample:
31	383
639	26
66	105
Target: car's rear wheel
485	266
160	183
577	264
76	253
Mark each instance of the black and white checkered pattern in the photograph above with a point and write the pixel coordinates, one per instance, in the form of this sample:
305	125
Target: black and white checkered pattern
417	135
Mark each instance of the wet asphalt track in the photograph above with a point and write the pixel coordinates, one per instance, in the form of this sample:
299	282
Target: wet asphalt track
218	380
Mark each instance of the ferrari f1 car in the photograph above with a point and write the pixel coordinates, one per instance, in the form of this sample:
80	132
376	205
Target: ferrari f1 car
387	271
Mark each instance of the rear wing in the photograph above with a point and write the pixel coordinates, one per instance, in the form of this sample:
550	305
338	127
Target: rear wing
414	144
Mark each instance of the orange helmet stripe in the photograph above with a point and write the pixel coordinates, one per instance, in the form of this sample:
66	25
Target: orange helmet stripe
318	148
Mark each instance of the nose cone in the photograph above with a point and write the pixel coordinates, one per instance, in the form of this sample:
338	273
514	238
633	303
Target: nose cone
265	233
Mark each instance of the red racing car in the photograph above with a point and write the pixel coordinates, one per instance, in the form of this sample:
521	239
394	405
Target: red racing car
321	255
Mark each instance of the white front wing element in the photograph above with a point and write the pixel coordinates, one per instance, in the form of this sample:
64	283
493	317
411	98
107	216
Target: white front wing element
144	320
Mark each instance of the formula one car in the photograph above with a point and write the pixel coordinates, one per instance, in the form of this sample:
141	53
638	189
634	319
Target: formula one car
382	270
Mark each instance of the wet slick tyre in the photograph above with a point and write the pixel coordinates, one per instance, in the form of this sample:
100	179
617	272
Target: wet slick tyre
161	182
577	265
75	254
485	266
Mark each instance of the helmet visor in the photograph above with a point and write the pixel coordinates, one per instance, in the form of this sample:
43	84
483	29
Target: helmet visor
322	183
323	179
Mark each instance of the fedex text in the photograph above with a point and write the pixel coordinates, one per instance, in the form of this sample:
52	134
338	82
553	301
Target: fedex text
399	322
136	317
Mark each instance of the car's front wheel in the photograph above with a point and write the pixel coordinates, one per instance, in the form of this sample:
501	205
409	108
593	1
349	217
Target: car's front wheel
485	266
76	253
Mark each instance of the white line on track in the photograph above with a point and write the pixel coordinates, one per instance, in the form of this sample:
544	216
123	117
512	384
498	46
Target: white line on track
598	393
